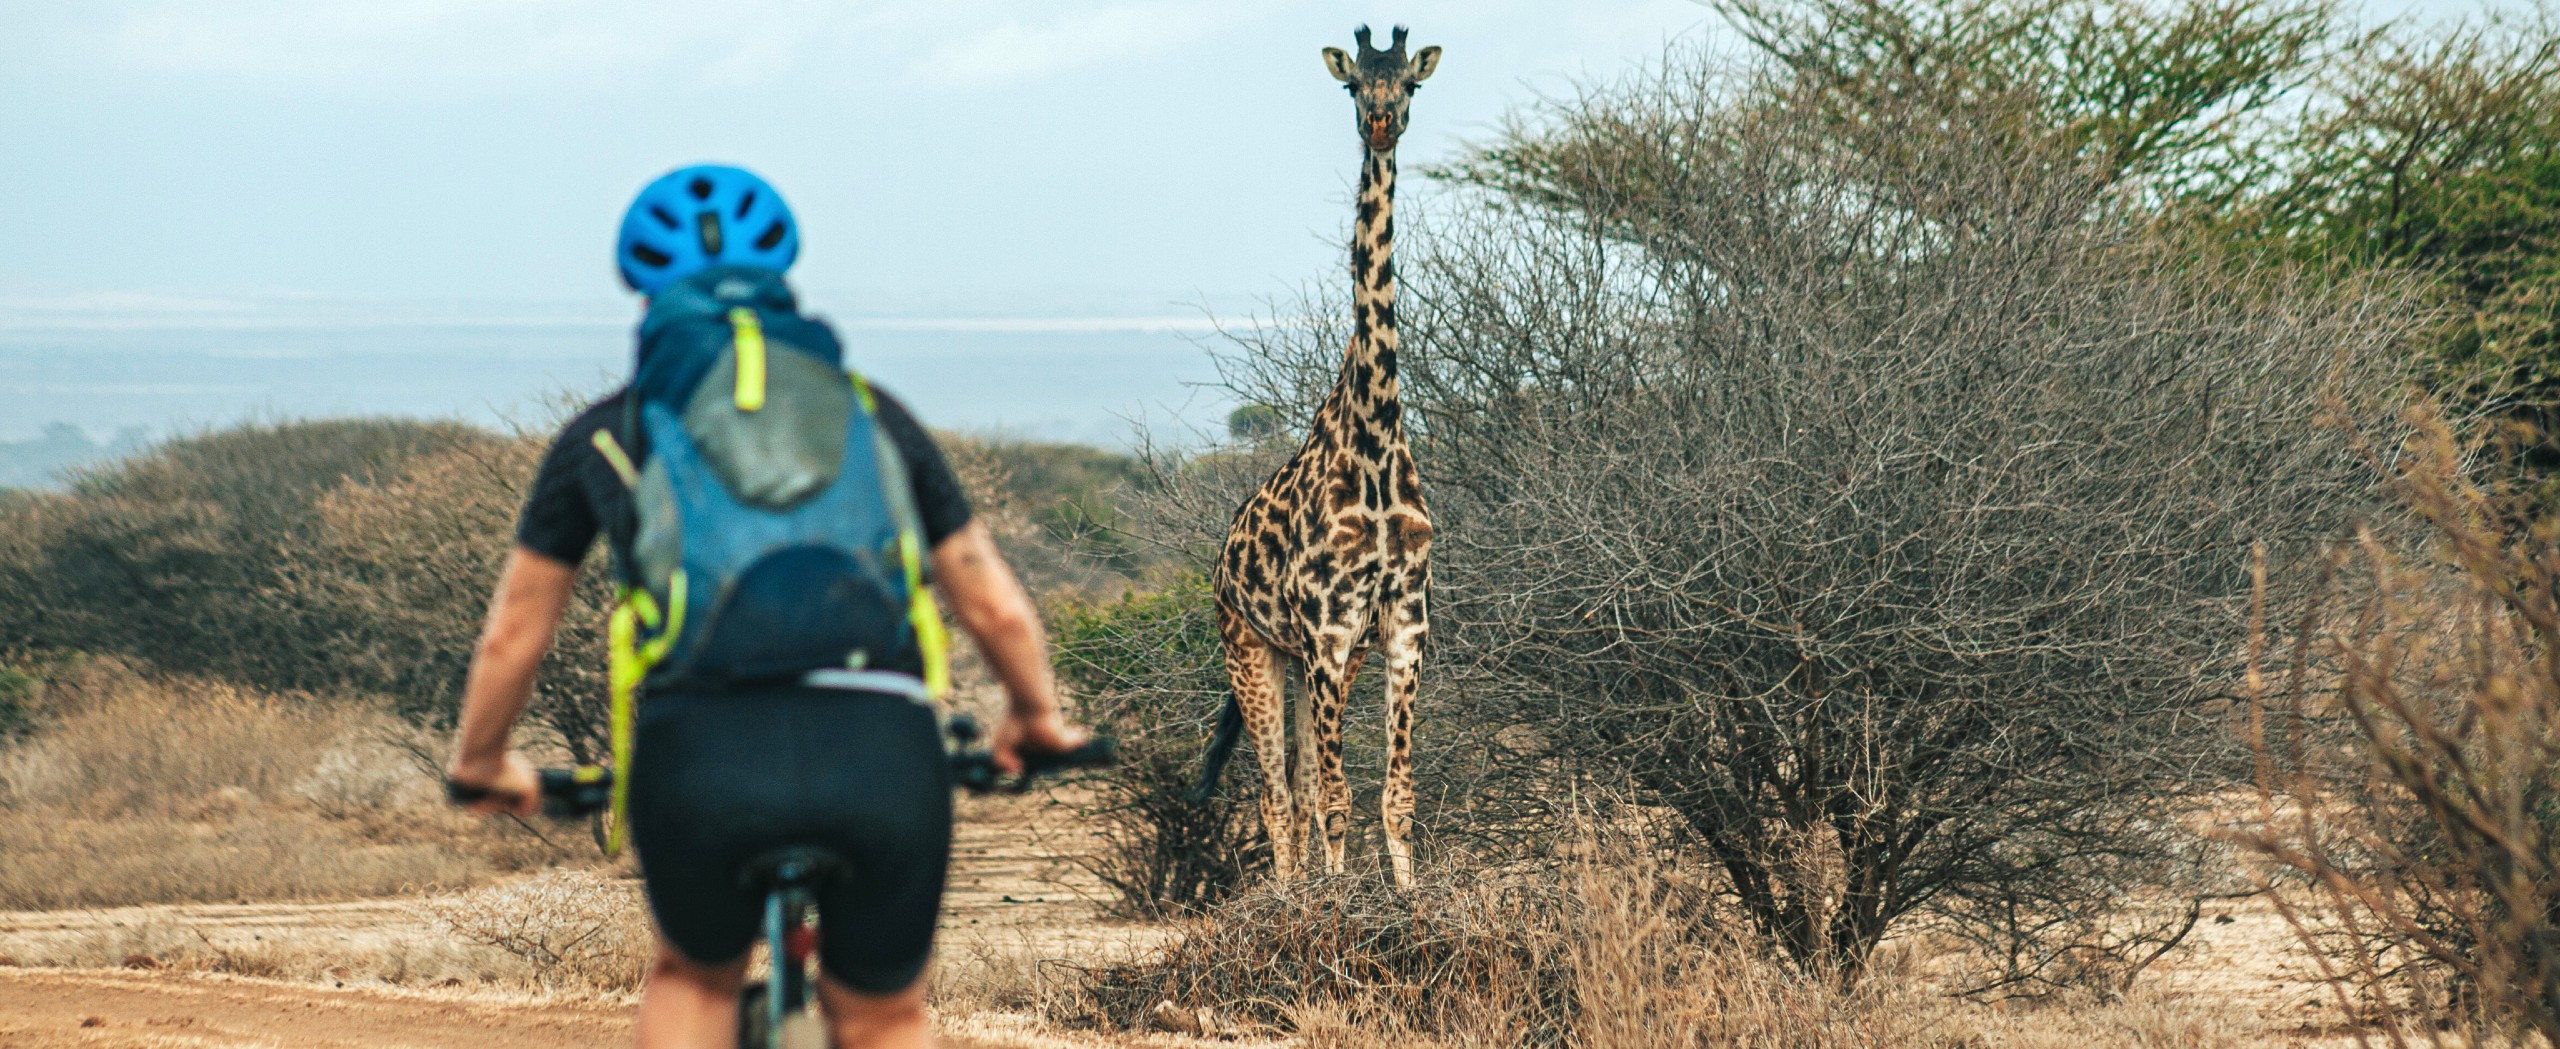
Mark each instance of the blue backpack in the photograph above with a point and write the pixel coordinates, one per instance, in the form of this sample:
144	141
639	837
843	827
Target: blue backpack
776	532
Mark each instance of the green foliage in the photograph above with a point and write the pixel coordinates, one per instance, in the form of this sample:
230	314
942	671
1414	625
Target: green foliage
2164	99
1160	640
184	556
1069	492
18	690
1148	669
1256	422
347	556
2440	154
1055	509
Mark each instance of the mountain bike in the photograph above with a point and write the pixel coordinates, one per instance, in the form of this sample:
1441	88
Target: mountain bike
775	1013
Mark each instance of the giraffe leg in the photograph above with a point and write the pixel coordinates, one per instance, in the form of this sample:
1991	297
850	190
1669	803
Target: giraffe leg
1308	818
1250	671
1327	792
1402	624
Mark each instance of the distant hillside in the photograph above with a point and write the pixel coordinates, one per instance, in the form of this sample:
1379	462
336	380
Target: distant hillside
41	462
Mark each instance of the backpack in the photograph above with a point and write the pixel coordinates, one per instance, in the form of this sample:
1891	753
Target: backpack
776	531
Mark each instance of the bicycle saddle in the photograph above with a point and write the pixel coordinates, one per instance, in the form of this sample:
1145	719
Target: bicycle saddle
794	866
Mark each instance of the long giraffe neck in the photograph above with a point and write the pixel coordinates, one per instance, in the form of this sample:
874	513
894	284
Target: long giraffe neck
1367	390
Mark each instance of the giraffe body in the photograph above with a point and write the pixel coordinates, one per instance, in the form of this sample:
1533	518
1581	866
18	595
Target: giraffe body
1330	559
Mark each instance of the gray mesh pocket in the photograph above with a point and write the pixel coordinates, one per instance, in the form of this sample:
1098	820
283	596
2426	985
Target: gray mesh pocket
777	456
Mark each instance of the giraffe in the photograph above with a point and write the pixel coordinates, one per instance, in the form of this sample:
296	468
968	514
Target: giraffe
1330	557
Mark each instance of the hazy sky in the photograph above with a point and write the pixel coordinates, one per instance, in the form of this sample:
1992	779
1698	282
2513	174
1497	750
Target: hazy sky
947	157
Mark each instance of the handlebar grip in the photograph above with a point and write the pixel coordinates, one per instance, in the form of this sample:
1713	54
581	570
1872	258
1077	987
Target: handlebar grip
574	793
976	772
566	793
1095	753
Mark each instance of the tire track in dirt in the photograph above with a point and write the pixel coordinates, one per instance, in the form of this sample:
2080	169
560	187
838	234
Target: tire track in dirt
1009	887
43	1009
48	1009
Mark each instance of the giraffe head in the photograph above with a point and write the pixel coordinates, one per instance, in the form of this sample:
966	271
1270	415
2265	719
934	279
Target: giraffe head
1381	84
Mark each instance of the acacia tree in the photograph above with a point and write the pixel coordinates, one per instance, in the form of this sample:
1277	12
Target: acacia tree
2438	152
1874	499
2172	103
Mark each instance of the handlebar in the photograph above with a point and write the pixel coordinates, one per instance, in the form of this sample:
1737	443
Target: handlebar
973	769
586	790
566	793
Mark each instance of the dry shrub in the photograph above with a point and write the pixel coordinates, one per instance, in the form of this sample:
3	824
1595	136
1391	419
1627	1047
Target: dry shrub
345	557
976	970
574	930
119	743
2154	1023
52	862
179	555
1054	509
1605	953
170	943
2411	766
141	789
1146	669
1874	499
396	581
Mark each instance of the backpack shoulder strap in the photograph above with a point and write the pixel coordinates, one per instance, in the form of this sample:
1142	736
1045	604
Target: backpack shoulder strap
620	460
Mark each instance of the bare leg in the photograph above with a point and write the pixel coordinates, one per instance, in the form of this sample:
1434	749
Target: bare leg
688	1005
1257	686
875	1021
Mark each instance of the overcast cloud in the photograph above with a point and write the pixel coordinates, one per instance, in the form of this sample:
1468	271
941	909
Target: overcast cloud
949	157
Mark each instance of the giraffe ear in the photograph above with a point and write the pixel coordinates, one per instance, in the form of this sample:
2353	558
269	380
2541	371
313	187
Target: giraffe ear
1424	61
1338	63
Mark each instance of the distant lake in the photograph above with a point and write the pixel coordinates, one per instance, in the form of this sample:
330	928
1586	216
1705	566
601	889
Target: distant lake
1078	380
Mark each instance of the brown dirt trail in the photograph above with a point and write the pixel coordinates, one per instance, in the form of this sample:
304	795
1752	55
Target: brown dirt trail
97	1010
49	1009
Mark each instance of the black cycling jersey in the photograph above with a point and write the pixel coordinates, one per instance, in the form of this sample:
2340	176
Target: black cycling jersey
718	778
577	495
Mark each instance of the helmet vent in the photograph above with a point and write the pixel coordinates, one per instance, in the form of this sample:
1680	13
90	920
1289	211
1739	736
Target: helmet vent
704	217
707	226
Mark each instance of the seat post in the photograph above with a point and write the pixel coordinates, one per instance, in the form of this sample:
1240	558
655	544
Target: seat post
786	995
787	877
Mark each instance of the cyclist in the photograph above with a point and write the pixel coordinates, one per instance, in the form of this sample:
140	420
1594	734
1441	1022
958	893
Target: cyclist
717	778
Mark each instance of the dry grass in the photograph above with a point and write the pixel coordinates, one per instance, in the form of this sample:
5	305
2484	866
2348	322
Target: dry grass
572	930
2407	762
1600	955
1613	952
990	971
141	789
173	945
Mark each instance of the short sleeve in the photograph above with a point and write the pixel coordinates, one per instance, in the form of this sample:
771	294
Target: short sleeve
558	521
939	499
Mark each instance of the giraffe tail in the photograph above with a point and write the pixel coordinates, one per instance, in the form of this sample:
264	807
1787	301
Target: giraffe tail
1222	745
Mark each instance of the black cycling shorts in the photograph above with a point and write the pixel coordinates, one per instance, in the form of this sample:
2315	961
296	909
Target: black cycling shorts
718	779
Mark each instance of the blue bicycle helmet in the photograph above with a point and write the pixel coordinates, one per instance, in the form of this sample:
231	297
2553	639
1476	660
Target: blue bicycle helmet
692	219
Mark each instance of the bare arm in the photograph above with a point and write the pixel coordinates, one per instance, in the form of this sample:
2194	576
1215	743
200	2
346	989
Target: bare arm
524	615
992	606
